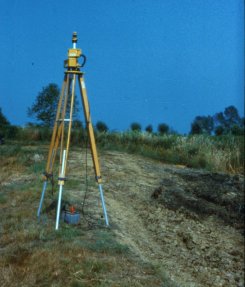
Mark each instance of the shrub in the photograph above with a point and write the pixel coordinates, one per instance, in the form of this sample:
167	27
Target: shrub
149	129
136	127
163	129
101	127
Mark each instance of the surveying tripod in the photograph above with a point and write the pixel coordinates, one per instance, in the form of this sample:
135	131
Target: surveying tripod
60	142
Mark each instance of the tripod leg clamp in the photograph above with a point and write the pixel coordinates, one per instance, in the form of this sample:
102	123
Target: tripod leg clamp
61	180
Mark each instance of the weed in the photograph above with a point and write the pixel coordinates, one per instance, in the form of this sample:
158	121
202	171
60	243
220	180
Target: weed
37	167
68	232
90	271
73	183
166	281
105	242
101	241
76	283
10	150
3	198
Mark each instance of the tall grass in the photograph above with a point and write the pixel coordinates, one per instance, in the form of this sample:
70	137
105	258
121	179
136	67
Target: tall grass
216	153
222	153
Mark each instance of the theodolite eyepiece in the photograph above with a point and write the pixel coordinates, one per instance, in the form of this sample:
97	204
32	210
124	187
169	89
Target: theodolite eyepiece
74	37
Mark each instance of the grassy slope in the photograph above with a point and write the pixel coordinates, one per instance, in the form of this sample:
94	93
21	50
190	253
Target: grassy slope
33	254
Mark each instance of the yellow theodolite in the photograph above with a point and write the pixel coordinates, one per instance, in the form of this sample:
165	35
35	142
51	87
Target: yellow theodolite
62	129
73	55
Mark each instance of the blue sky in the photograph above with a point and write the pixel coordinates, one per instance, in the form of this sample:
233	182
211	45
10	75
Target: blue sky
158	61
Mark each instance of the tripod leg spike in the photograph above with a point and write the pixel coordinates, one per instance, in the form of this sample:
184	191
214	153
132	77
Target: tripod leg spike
103	204
58	208
42	197
61	183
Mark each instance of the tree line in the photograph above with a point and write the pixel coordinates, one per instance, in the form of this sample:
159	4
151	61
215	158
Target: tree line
43	110
227	122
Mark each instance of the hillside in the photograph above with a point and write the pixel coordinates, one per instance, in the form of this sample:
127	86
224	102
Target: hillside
169	225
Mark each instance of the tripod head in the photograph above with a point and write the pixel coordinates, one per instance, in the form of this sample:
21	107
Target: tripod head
73	54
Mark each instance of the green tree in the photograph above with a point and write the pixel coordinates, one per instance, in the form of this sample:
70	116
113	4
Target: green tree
4	126
3	120
237	130
135	127
6	129
77	124
229	121
202	125
45	106
149	129
101	126
163	129
232	116
219	121
195	128
219	130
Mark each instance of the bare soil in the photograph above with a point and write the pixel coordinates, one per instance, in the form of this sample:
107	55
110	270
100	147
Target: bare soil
187	222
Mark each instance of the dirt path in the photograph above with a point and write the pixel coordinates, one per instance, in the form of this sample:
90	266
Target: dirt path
192	250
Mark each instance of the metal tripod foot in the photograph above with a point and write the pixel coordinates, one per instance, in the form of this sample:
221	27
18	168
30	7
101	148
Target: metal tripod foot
58	208
61	182
103	204
42	197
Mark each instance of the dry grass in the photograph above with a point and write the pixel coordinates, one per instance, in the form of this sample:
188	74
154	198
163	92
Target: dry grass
222	154
34	254
215	153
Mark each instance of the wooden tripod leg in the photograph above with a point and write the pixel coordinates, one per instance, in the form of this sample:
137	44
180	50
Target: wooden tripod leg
89	128
92	142
53	145
55	135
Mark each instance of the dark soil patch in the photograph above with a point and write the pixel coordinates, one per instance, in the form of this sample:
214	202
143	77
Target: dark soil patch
205	194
